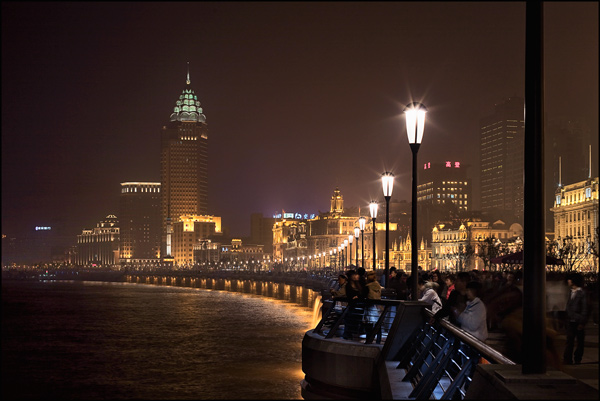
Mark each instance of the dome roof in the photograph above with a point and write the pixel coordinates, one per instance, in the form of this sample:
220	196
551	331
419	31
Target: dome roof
187	107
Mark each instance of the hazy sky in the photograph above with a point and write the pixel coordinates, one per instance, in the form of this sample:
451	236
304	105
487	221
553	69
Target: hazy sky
299	97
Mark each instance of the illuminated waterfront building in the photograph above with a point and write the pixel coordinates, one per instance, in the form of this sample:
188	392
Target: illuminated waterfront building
576	218
189	231
401	254
502	157
238	254
140	222
100	245
450	241
184	158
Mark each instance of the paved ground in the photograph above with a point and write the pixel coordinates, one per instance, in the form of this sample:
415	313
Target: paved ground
587	371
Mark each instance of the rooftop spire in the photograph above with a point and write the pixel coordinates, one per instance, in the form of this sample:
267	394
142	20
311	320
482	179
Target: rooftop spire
187	81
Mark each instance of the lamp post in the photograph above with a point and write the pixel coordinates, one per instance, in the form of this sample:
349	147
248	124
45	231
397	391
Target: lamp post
346	242
350	240
356	235
415	123
373	209
362	221
387	182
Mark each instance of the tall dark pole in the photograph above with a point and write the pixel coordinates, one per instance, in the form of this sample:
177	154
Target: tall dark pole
414	248
534	207
350	254
362	248
387	240
356	257
374	253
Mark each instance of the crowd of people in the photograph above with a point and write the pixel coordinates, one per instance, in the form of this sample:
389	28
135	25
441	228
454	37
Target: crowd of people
480	302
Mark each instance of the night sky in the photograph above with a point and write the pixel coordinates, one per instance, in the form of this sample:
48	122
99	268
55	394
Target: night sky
299	97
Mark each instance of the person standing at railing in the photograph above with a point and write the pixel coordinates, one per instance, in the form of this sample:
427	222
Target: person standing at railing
429	295
341	291
577	315
437	278
473	318
457	299
356	292
374	292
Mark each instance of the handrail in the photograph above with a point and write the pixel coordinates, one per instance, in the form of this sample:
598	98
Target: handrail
490	353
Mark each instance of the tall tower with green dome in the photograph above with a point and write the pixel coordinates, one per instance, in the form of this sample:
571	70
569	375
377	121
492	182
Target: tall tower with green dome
184	160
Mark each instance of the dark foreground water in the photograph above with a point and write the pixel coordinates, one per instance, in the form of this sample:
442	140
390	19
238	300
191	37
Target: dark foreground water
89	341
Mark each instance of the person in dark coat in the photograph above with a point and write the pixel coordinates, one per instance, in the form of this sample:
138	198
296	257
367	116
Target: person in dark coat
356	292
577	315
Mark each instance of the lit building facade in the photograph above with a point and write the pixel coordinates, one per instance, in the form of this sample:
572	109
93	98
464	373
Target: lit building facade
450	241
140	222
576	216
240	255
100	245
502	157
184	160
188	231
401	254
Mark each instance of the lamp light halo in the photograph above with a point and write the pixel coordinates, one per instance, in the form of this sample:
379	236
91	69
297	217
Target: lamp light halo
387	183
361	222
415	106
373	209
415	122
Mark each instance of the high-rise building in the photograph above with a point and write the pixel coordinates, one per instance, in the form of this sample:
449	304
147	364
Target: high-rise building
261	231
445	182
184	157
502	157
444	193
140	222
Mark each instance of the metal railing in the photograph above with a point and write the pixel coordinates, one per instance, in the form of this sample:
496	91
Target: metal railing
369	319
440	360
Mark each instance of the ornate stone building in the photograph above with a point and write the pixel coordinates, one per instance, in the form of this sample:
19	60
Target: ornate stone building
100	245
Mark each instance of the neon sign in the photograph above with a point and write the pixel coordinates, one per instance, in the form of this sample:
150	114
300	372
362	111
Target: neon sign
449	164
42	228
297	216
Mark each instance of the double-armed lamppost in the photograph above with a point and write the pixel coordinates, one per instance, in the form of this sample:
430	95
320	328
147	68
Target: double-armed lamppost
387	181
373	209
356	235
362	221
415	123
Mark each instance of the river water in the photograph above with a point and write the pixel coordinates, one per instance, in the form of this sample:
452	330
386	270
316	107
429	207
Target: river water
91	340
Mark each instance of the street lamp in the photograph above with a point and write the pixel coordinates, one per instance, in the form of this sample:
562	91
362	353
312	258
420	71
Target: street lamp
373	208
362	221
387	182
356	235
415	123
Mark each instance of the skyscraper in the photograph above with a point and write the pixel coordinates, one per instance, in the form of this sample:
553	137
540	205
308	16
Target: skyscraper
184	156
502	157
140	226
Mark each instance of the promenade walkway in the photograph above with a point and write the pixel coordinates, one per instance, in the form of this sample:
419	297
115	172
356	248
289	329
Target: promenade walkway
587	371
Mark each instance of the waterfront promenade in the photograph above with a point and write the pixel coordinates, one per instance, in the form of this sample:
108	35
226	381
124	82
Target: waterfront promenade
587	372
